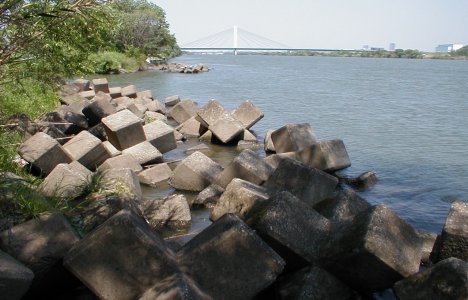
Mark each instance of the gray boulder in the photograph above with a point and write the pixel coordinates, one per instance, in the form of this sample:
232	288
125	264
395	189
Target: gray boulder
293	137
209	196
328	156
171	214
15	278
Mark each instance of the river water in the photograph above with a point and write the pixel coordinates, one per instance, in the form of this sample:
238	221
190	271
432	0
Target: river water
407	120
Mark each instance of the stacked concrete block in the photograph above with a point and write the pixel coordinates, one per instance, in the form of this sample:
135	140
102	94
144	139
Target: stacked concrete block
172	100
124	161
328	156
227	128
293	137
100	85
115	92
43	152
203	148
210	113
342	206
274	159
248	166
248	136
83	84
183	111
111	150
145	94
170	213
87	94
226	257
66	181
156	106
87	150
122	101
124	129
191	128
129	91
122	182
15	278
151	116
306	183
428	241
98	109
269	146
209	196
248	114
144	153
157	175
241	198
160	135
374	251
137	110
195	173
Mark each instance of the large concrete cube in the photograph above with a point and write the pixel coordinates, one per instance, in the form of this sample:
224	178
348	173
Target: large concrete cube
226	257
66	181
248	114
210	113
248	166
183	111
191	128
293	137
172	100
121	182
328	156
15	278
160	135
101	85
144	153
343	205
87	150
195	172
129	91
269	146
98	109
169	214
306	183
156	106
157	175
227	128
374	251
124	161
43	152
240	198
124	129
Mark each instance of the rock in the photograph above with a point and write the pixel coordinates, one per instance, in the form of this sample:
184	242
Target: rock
245	145
137	110
306	183
172	100
209	196
151	116
269	147
227	128
328	156
82	84
111	150
293	137
183	111
248	166
225	257
178	136
145	94
121	162
248	136
274	159
343	205
68	90
314	283
191	128
15	278
129	91
43	152
160	135
66	181
248	114
56	134
206	137
156	106
64	121
157	175
373	251
98	131
115	92
72	99
454	237
292	228
78	122
124	129
87	94
100	85
203	148
121	182
87	150
195	173
240	198
210	113
448	279
144	153
123	101
169	214
428	240
362	182
98	109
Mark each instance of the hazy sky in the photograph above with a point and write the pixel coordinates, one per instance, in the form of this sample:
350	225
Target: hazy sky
415	24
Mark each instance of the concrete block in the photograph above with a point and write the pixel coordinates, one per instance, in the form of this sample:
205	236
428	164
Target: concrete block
156	106
169	214
137	110
225	257
210	113
123	101
98	109
209	196
124	129
124	161
328	156
362	182
160	135
240	198
343	205
157	175
248	166
195	173
183	111
428	241
15	278
111	150
374	251
274	159
100	85
98	131
144	153
115	92
269	146
87	150
293	137
121	182
306	183
145	94
66	181
172	100
448	279
87	94
43	152
248	114
151	116
129	91
227	129
248	136
179	136
191	128
83	84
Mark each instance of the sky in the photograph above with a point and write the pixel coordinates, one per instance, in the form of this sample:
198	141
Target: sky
332	24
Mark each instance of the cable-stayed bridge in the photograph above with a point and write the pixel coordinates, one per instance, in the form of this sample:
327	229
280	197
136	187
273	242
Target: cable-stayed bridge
236	39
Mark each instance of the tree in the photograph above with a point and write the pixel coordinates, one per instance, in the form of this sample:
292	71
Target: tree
462	51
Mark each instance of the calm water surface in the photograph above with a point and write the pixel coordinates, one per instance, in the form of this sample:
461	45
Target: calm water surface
405	119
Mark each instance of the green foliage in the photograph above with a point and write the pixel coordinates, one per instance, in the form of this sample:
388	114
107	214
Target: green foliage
110	62
462	52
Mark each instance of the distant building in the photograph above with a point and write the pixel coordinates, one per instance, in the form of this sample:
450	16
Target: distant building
448	47
365	47
376	49
391	47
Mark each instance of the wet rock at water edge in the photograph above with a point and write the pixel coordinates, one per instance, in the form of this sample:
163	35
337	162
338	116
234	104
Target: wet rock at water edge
293	137
183	111
209	196
171	214
160	135
156	175
362	182
210	113
124	161
144	153
172	100
328	156
248	114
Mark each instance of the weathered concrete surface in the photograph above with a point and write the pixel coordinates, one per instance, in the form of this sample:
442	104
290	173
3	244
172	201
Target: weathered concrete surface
137	110
160	135
226	257
306	183
448	279
172	100
124	129
374	251
121	182
144	153
151	116
269	146
248	114
428	240
82	83
87	150
454	237
293	137
111	150
145	94
100	85
156	106
210	113
129	91
169	214
248	166
209	196
121	162
343	205
87	94
157	175
274	159
248	136
66	181
15	278
328	156
98	109
362	182
203	148
43	152
240	198
195	173
227	128
183	111
115	92
191	128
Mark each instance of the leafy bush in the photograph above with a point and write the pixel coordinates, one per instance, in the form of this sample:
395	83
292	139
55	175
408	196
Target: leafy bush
110	62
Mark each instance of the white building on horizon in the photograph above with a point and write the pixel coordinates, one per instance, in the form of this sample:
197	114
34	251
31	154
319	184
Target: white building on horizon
448	47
